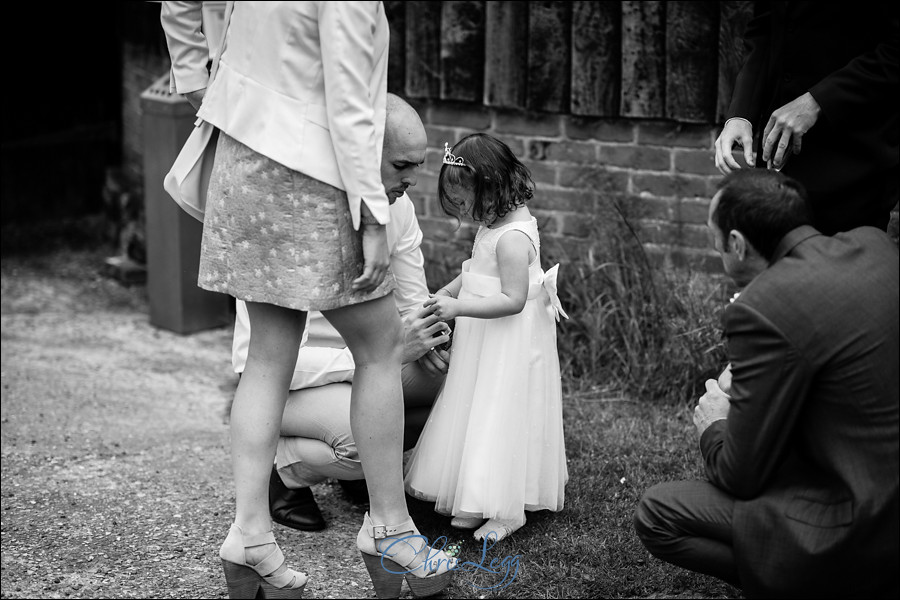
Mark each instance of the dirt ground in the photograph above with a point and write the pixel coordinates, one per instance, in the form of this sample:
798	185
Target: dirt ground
116	477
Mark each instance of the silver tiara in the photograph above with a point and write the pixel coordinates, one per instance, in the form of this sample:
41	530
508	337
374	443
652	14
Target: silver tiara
449	159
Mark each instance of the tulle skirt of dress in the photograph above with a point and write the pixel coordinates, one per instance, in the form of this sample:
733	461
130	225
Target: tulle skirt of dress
493	444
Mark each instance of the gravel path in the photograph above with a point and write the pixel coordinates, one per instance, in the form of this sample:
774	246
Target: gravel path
116	479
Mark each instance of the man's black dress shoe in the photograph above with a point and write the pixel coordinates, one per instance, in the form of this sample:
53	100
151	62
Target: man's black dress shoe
296	509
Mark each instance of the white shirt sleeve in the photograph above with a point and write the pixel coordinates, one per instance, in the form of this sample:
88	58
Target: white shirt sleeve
407	261
324	357
321	365
316	364
240	343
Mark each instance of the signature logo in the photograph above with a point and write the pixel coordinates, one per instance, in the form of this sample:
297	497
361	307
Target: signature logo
506	566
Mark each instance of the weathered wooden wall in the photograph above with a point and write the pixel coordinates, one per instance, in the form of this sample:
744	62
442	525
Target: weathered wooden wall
603	101
630	59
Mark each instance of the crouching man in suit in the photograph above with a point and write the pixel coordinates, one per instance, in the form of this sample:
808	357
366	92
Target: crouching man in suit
801	451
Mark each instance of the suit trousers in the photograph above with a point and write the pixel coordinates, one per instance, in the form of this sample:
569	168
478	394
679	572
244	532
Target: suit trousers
689	524
319	444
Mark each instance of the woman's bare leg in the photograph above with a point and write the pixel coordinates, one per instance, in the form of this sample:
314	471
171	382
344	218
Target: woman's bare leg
257	411
373	333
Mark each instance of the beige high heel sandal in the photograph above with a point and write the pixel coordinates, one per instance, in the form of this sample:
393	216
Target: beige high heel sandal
427	572
255	581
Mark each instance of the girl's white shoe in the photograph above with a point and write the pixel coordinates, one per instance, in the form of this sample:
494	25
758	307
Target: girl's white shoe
498	528
466	522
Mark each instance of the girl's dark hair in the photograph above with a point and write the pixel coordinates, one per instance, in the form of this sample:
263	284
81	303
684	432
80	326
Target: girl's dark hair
500	181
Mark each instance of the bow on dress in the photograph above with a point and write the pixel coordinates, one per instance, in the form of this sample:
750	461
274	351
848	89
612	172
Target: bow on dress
549	284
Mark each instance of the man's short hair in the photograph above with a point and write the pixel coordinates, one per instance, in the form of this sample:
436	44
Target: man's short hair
762	204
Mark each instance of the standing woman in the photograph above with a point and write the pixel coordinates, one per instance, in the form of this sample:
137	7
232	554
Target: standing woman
294	222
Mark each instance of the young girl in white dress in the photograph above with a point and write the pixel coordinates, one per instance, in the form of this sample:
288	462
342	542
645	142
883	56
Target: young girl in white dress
493	445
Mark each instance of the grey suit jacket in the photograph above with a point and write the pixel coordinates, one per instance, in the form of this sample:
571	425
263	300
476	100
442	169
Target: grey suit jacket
810	446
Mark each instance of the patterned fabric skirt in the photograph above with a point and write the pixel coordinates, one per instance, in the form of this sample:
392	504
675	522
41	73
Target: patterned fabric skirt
277	236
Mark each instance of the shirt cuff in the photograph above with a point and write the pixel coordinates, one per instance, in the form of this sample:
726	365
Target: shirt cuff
740	119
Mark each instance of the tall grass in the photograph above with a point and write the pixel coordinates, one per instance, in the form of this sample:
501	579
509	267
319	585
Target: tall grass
636	329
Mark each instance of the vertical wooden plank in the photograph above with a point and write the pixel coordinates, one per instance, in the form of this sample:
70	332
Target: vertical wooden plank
506	54
733	18
423	49
692	38
549	56
396	15
596	58
643	59
462	50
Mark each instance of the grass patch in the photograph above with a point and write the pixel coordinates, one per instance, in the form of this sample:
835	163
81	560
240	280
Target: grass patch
616	450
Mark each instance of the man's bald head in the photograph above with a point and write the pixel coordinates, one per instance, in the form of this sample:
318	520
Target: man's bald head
404	148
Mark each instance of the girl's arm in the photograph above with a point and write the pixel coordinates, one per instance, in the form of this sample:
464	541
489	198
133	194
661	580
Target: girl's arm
451	289
513	253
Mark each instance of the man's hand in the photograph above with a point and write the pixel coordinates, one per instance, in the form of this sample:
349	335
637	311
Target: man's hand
435	361
736	131
724	380
423	330
712	406
786	127
195	98
377	258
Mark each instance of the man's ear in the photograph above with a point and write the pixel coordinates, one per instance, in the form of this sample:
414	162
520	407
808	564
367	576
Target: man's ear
738	243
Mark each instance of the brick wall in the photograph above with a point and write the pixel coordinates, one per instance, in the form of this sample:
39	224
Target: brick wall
662	173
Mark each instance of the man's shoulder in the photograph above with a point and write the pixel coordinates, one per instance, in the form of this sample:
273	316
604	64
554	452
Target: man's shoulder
841	256
849	255
871	238
825	274
404	233
403	210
